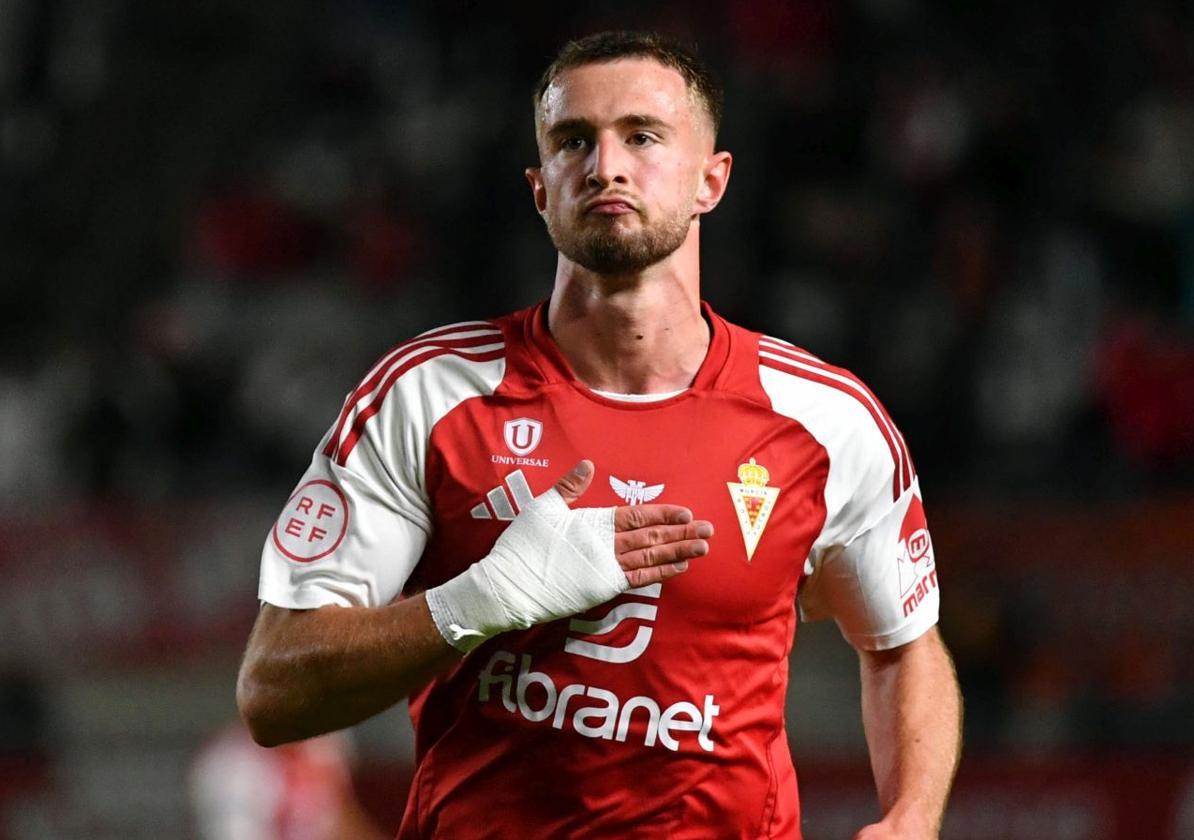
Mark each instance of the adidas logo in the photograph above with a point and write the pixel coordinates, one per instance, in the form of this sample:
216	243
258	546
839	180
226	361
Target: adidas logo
503	505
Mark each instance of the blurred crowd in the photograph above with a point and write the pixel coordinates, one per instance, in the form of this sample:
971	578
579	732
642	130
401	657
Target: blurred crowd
214	216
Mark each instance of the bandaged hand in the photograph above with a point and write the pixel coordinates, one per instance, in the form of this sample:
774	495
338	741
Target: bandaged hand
554	561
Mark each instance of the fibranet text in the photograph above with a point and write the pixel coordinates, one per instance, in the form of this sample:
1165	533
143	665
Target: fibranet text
609	718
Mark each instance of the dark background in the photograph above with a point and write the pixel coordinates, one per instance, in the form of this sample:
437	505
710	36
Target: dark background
214	216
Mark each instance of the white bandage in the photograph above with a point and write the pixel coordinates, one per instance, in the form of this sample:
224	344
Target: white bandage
551	562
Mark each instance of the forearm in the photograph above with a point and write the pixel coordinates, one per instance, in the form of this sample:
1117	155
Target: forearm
307	672
912	713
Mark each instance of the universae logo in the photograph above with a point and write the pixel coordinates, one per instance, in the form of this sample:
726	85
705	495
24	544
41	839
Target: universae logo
522	435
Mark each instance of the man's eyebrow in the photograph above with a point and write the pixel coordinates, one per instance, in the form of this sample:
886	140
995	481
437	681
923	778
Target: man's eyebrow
580	125
645	121
575	125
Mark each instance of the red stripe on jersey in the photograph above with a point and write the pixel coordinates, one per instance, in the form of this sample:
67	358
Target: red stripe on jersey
436	338
805	367
358	425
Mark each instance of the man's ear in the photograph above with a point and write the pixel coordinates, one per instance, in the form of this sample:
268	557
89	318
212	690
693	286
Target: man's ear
715	179
538	189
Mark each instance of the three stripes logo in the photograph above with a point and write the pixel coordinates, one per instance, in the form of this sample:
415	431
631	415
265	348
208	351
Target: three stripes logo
504	501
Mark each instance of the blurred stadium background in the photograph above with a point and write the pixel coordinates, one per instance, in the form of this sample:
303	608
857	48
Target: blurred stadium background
213	216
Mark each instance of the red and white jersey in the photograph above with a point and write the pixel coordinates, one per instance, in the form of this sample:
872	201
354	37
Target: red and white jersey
661	712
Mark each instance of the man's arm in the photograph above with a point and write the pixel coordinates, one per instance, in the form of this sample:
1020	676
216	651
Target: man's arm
307	672
912	713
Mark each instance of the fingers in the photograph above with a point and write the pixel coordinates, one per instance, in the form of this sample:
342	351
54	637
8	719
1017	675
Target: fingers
654	574
628	518
625	541
573	485
655	553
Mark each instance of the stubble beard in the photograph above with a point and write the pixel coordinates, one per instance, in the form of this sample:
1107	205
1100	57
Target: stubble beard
603	247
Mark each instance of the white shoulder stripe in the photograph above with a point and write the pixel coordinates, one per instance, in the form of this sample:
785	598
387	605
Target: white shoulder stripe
861	393
780	344
362	400
437	335
459	326
408	352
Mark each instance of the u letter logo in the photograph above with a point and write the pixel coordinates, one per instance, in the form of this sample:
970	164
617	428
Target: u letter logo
523	435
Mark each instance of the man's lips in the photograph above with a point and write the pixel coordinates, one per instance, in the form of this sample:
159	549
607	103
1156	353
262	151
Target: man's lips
610	206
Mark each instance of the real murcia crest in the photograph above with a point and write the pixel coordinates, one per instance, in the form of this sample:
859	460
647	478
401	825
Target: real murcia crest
635	492
753	502
523	435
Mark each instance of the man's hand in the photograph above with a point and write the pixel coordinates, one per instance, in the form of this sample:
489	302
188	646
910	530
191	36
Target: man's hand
553	561
651	542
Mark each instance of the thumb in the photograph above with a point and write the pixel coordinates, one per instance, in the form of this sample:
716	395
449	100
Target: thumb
572	486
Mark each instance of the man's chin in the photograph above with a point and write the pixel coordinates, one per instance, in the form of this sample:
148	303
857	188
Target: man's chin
619	262
616	247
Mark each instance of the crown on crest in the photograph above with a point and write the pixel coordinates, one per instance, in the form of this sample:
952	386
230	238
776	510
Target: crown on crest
753	474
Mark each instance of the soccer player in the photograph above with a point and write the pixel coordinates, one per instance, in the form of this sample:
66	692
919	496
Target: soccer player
605	654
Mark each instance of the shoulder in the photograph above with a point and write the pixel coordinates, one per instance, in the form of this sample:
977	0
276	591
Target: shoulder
423	379
837	408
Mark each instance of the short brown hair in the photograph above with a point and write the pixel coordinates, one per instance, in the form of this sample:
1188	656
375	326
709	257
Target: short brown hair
610	46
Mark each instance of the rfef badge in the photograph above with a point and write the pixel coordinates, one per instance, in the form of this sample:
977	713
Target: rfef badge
753	502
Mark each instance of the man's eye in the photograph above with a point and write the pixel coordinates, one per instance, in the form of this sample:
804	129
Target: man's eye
573	144
640	138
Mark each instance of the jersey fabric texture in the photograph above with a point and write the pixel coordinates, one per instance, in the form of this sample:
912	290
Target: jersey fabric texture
659	713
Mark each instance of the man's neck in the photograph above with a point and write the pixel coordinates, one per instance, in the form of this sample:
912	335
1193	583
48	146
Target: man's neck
632	335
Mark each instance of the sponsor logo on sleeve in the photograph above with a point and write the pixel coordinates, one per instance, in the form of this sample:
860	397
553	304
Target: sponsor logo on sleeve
918	568
313	523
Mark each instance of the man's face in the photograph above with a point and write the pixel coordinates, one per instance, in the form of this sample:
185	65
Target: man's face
624	148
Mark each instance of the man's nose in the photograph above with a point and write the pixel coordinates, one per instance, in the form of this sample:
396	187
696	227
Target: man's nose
607	162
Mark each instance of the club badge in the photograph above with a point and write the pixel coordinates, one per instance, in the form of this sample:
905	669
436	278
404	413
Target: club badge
753	502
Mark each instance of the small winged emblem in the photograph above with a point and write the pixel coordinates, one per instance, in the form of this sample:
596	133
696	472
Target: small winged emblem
635	492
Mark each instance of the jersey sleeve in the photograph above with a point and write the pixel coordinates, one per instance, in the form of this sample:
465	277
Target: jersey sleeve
353	530
881	585
872	568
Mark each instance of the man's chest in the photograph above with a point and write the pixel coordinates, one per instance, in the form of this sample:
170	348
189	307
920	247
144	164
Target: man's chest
758	477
